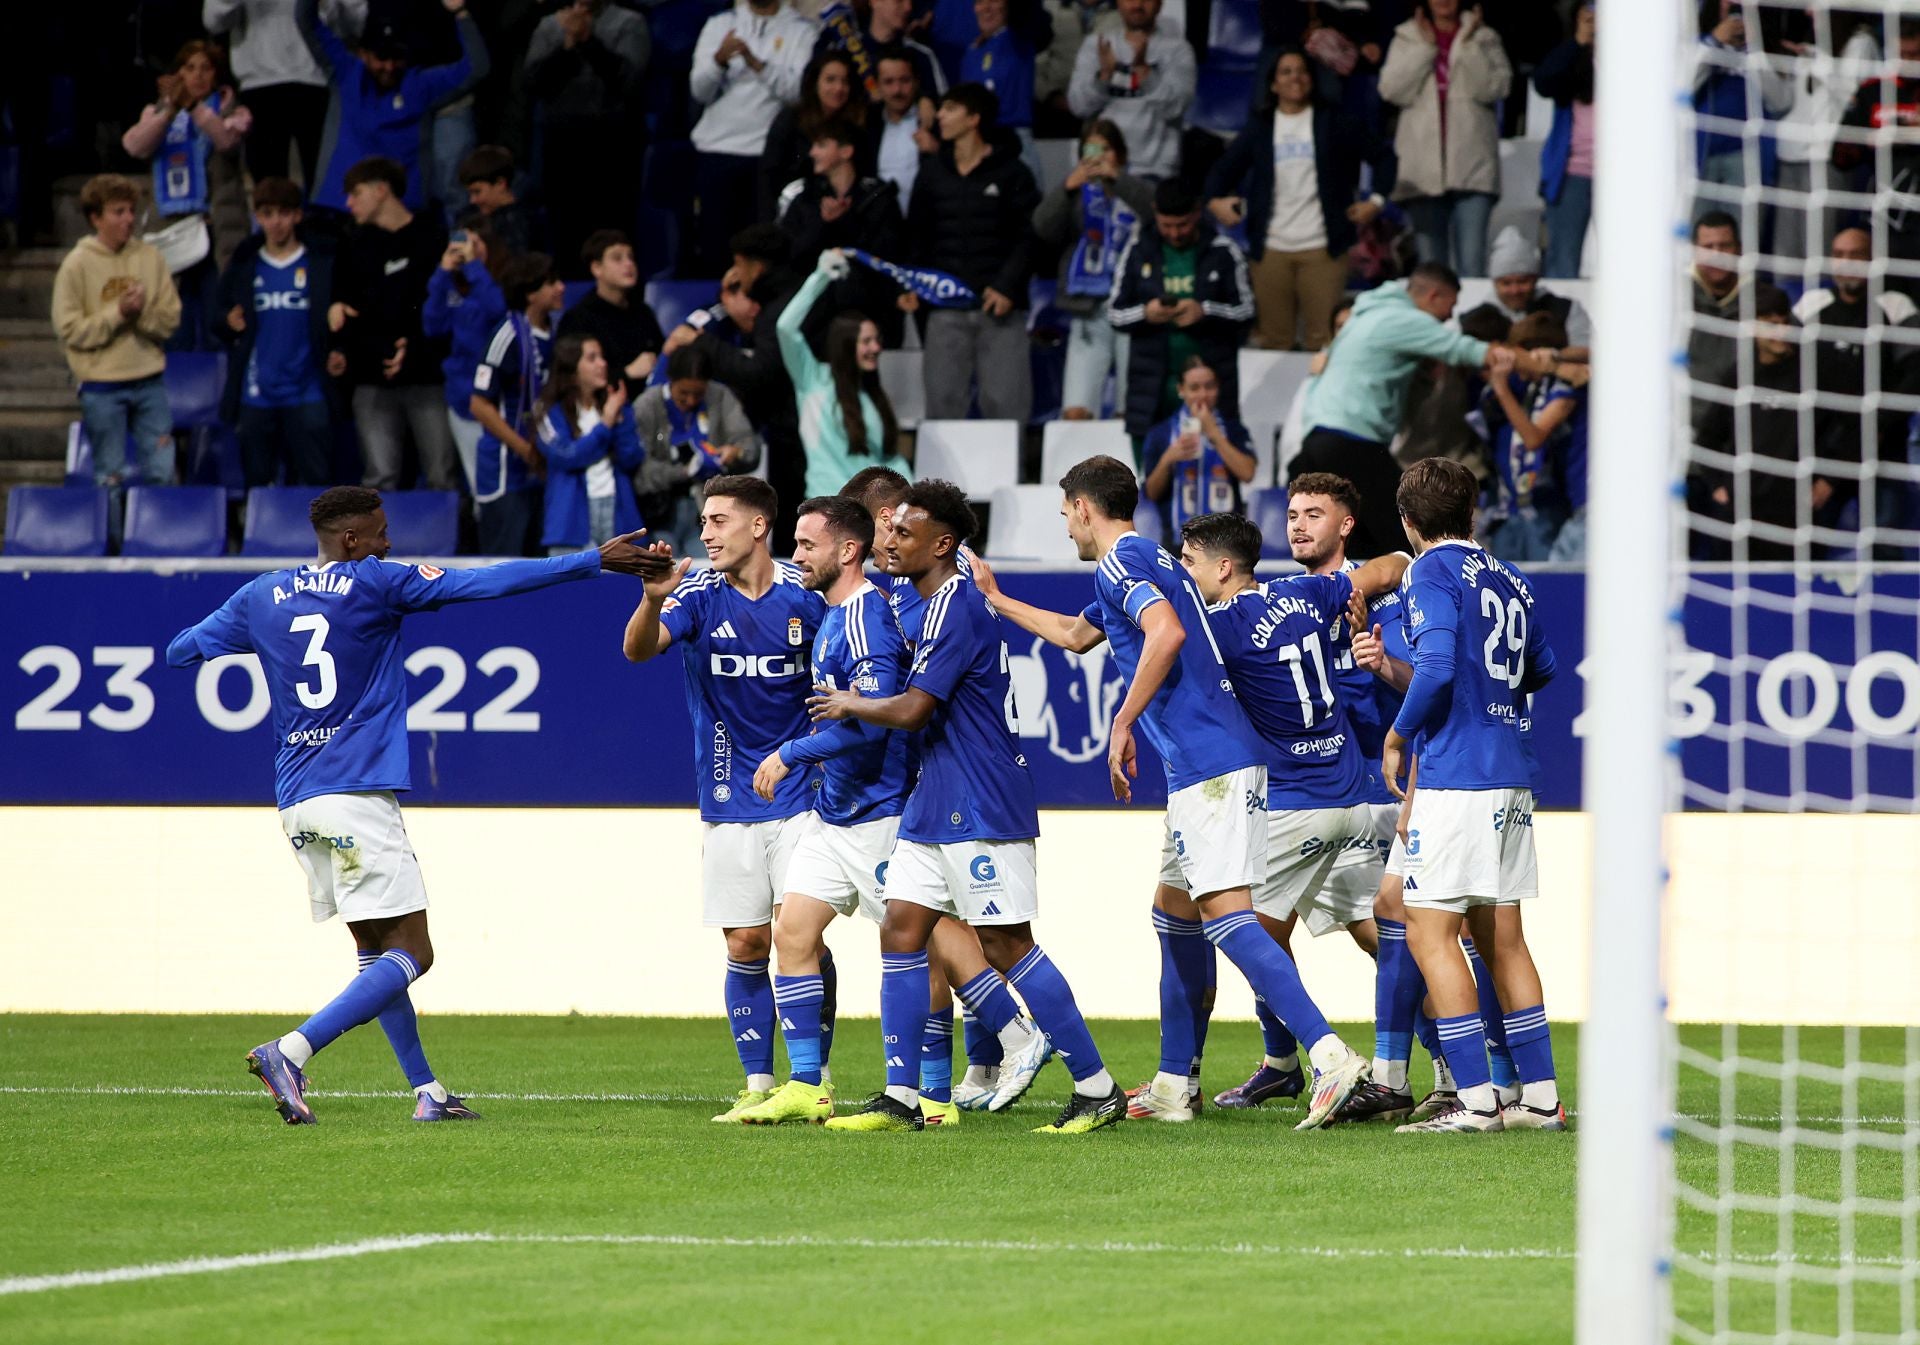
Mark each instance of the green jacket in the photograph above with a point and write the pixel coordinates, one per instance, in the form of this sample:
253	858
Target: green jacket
823	429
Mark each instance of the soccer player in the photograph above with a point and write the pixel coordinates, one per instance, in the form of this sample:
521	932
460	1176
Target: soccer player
746	625
966	846
1180	696
1275	639
1468	847
328	638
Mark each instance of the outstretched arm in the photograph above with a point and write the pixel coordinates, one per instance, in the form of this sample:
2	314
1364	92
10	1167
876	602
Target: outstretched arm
910	710
646	634
1074	633
424	588
224	631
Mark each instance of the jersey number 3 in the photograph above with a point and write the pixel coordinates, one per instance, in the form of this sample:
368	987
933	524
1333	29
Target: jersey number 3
316	697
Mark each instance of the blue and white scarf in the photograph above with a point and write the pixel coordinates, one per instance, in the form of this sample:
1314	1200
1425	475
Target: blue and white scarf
1205	485
1107	226
180	168
936	287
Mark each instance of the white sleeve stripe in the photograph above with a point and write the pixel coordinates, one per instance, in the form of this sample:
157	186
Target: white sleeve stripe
936	615
502	341
856	628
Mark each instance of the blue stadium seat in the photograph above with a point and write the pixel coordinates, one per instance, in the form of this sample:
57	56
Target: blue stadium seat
213	459
175	521
1222	98
195	380
1268	510
57	521
1233	36
672	300
79	456
423	522
277	522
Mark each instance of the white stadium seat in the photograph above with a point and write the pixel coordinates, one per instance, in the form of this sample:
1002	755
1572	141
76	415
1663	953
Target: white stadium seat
1268	381
979	456
1067	442
906	389
1263	433
1026	525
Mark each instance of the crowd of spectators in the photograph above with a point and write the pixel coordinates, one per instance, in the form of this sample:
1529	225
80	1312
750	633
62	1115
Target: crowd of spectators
855	179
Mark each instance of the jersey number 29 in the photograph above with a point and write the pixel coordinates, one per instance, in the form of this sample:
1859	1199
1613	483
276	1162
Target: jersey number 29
1506	664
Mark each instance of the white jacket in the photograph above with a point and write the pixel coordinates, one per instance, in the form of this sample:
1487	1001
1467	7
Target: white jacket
1478	76
265	45
740	102
1150	117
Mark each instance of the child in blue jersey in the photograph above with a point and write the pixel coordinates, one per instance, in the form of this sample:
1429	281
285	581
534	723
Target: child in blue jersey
1468	847
1182	700
328	639
745	625
592	450
966	845
511	372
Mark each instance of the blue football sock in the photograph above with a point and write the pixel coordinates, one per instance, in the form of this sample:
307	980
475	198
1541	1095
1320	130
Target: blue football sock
397	1020
987	999
983	1044
1499	1057
829	1003
1271	973
799	1000
1398	989
1185	965
936	1056
1051	999
1530	1043
1277	1041
362	1001
750	1011
904	986
1464	1040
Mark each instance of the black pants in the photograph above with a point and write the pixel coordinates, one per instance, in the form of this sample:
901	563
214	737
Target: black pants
510	525
583	197
285	115
298	437
725	196
1372	470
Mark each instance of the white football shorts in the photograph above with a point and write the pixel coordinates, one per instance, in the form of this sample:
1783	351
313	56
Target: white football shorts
845	867
1216	833
1467	847
979	882
743	869
358	861
1304	850
1356	874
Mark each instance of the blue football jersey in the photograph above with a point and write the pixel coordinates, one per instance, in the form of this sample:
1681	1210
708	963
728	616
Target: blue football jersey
1193	721
973	779
746	671
863	767
283	369
1369	702
1477	652
328	637
1276	639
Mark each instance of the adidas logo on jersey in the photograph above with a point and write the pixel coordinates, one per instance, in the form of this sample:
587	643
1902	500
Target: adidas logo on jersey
725	631
895	1062
750	1034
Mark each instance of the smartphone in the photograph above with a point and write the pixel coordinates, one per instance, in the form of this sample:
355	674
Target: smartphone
458	237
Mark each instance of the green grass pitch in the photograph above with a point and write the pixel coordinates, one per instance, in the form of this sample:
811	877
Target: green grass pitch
638	1219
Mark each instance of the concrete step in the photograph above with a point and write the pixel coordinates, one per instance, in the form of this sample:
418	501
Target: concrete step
40	399
35	436
31	375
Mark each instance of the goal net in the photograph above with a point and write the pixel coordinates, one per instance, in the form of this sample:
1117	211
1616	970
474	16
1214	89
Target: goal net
1770	960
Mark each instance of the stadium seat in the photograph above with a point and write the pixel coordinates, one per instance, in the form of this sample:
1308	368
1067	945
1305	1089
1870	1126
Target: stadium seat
1234	35
213	459
900	375
79	456
57	521
672	300
1149	522
1268	381
1026	525
979	456
1222	99
277	522
175	521
1268	510
195	381
1265	466
1071	441
423	522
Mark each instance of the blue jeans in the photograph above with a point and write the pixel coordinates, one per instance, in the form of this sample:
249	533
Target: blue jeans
112	411
1567	221
453	140
1452	229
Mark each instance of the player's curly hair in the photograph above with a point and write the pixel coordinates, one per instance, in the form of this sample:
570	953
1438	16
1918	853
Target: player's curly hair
332	507
1330	484
1230	535
946	504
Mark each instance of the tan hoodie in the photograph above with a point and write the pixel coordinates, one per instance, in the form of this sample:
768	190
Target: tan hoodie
103	346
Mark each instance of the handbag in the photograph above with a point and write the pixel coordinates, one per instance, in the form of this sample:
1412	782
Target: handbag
182	244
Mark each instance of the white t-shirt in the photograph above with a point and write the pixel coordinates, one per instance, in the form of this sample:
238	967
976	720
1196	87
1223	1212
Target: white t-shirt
1297	224
600	475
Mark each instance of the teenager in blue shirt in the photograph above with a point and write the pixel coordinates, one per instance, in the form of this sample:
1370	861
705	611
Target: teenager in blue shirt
511	372
328	638
588	439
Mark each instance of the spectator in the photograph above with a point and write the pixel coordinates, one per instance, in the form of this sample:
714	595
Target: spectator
273	298
1181	289
846	417
889	29
1745	485
902	127
972	217
835	207
1515	268
1091	217
1566	160
1823	85
1713	356
616	313
586	71
1448	407
587	436
1539	449
191	135
1073	22
1861	340
691	428
1357	403
1293	430
114	306
464	306
1002	61
747	67
487	176
1196	460
505	385
1882	115
1142	81
1292	176
952	25
1720	92
826	93
382	106
380	290
281	83
1445	70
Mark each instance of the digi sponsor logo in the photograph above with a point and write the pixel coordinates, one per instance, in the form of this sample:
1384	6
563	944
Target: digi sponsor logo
750	665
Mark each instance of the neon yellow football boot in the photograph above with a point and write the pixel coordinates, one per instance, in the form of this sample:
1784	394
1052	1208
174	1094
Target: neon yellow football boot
940	1115
745	1098
792	1101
